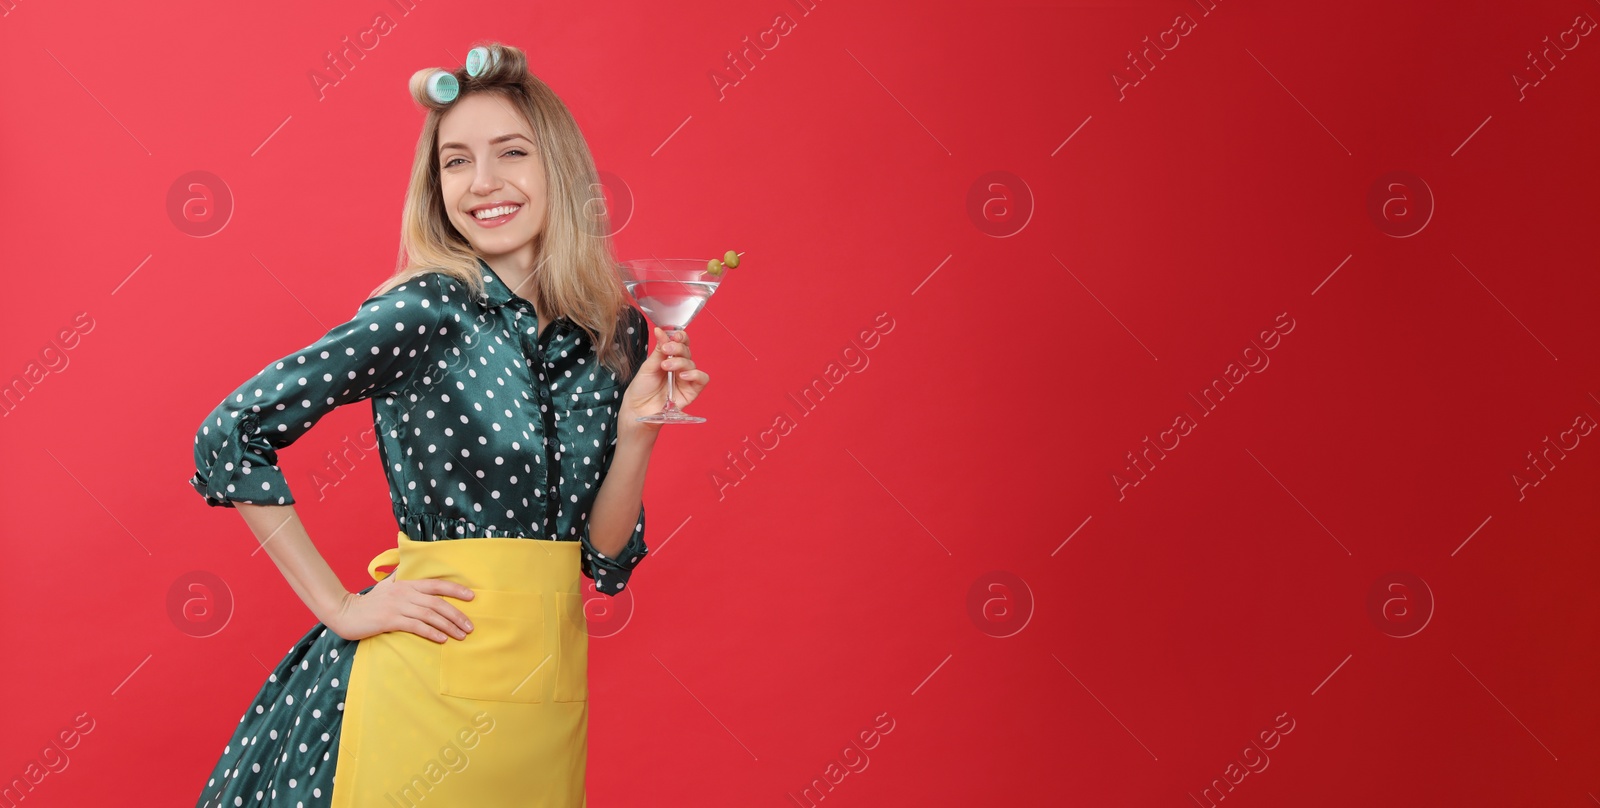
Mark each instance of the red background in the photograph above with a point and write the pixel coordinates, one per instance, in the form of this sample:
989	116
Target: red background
957	486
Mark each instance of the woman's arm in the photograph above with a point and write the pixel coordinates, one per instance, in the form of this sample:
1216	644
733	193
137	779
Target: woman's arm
613	532
392	605
380	351
616	507
281	534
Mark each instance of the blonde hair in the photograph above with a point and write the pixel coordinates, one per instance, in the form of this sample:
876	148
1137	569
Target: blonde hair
575	267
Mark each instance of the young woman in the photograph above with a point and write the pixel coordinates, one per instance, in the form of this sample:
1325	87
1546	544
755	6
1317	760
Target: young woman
506	370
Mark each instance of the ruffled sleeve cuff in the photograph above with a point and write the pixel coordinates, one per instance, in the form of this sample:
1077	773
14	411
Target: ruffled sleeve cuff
242	465
610	575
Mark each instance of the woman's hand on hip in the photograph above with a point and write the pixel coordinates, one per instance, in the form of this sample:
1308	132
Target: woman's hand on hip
410	605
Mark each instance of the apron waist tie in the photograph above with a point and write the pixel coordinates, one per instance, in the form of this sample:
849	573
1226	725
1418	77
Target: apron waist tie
385	558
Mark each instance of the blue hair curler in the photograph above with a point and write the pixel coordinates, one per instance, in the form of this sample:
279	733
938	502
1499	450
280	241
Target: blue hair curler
480	59
443	87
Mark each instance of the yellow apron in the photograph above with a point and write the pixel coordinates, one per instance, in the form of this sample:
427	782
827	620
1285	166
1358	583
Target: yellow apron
498	718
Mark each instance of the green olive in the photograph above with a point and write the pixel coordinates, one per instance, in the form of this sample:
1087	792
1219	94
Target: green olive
731	258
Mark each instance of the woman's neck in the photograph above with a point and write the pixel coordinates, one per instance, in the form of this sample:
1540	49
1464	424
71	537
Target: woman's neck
516	271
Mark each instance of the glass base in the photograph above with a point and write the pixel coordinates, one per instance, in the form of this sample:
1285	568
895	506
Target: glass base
671	417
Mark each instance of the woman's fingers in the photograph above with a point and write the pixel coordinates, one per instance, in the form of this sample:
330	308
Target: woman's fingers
456	617
677	344
436	621
440	612
439	586
423	629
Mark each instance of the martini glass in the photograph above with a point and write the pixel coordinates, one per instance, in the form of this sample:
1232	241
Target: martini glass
670	291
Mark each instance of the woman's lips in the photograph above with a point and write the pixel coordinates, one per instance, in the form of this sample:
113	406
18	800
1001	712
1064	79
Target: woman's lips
498	220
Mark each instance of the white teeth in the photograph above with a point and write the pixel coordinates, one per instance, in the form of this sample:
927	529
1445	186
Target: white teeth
493	212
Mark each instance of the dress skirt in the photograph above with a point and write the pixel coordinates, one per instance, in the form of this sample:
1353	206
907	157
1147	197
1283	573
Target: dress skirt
499	718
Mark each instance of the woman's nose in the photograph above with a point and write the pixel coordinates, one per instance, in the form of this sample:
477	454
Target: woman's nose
485	179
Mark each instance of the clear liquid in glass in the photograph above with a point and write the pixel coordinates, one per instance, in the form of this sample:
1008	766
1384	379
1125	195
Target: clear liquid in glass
671	304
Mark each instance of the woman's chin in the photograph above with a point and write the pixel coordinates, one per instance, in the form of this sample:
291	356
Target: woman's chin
500	244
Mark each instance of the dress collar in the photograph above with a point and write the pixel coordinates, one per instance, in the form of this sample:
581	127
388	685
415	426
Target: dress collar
497	294
495	290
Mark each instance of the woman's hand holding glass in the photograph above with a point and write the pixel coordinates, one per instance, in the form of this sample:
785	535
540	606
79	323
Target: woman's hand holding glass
649	386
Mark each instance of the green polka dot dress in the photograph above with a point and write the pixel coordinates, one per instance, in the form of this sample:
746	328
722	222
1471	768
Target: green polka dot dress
485	426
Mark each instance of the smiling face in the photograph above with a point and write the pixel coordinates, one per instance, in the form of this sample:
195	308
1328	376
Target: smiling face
488	159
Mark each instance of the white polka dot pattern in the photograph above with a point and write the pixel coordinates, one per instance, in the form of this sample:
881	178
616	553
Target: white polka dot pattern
486	426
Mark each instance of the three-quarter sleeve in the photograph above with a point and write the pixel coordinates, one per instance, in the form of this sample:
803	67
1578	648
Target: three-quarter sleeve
610	574
374	353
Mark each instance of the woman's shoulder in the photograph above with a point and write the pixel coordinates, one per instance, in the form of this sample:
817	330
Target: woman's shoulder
428	293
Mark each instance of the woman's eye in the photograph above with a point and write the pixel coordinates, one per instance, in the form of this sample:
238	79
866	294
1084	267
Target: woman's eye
452	161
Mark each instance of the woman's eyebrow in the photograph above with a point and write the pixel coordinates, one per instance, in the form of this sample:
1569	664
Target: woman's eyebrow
500	139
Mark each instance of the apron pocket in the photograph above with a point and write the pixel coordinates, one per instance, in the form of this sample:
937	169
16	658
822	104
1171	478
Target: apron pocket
572	654
505	656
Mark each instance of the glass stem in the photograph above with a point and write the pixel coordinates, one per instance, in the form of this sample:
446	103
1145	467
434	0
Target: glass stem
671	389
